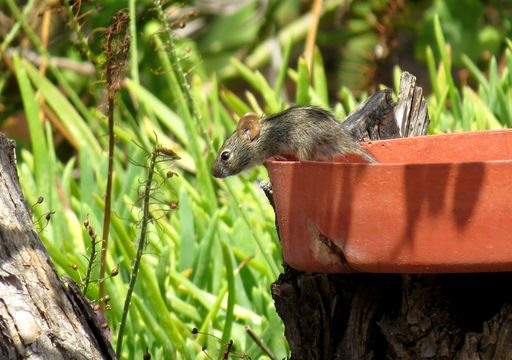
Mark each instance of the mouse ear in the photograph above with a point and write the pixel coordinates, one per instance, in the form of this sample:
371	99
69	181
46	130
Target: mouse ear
248	127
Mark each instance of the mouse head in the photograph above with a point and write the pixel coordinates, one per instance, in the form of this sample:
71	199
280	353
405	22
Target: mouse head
238	151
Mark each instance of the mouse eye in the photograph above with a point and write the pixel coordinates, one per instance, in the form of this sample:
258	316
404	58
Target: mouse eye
225	155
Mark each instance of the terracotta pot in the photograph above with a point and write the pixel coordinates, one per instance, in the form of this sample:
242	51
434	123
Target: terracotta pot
432	204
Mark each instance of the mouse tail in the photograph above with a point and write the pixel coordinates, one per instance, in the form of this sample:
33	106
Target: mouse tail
368	157
365	155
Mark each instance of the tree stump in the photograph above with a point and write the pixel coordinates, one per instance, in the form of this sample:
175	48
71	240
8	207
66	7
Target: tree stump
40	317
392	316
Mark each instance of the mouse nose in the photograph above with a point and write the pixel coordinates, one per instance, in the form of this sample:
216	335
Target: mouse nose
218	171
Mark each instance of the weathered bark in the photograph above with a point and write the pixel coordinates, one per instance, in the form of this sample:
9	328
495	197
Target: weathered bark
373	119
40	317
391	316
411	112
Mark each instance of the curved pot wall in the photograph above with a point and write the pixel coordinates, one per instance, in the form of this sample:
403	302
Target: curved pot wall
432	204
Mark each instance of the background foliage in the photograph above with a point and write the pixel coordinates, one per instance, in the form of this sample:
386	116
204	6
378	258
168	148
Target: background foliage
212	252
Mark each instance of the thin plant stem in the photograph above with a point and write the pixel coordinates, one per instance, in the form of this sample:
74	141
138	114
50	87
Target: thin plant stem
268	258
90	264
108	197
316	12
175	63
260	343
228	323
118	45
180	74
146	217
193	111
45	33
134	62
82	42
